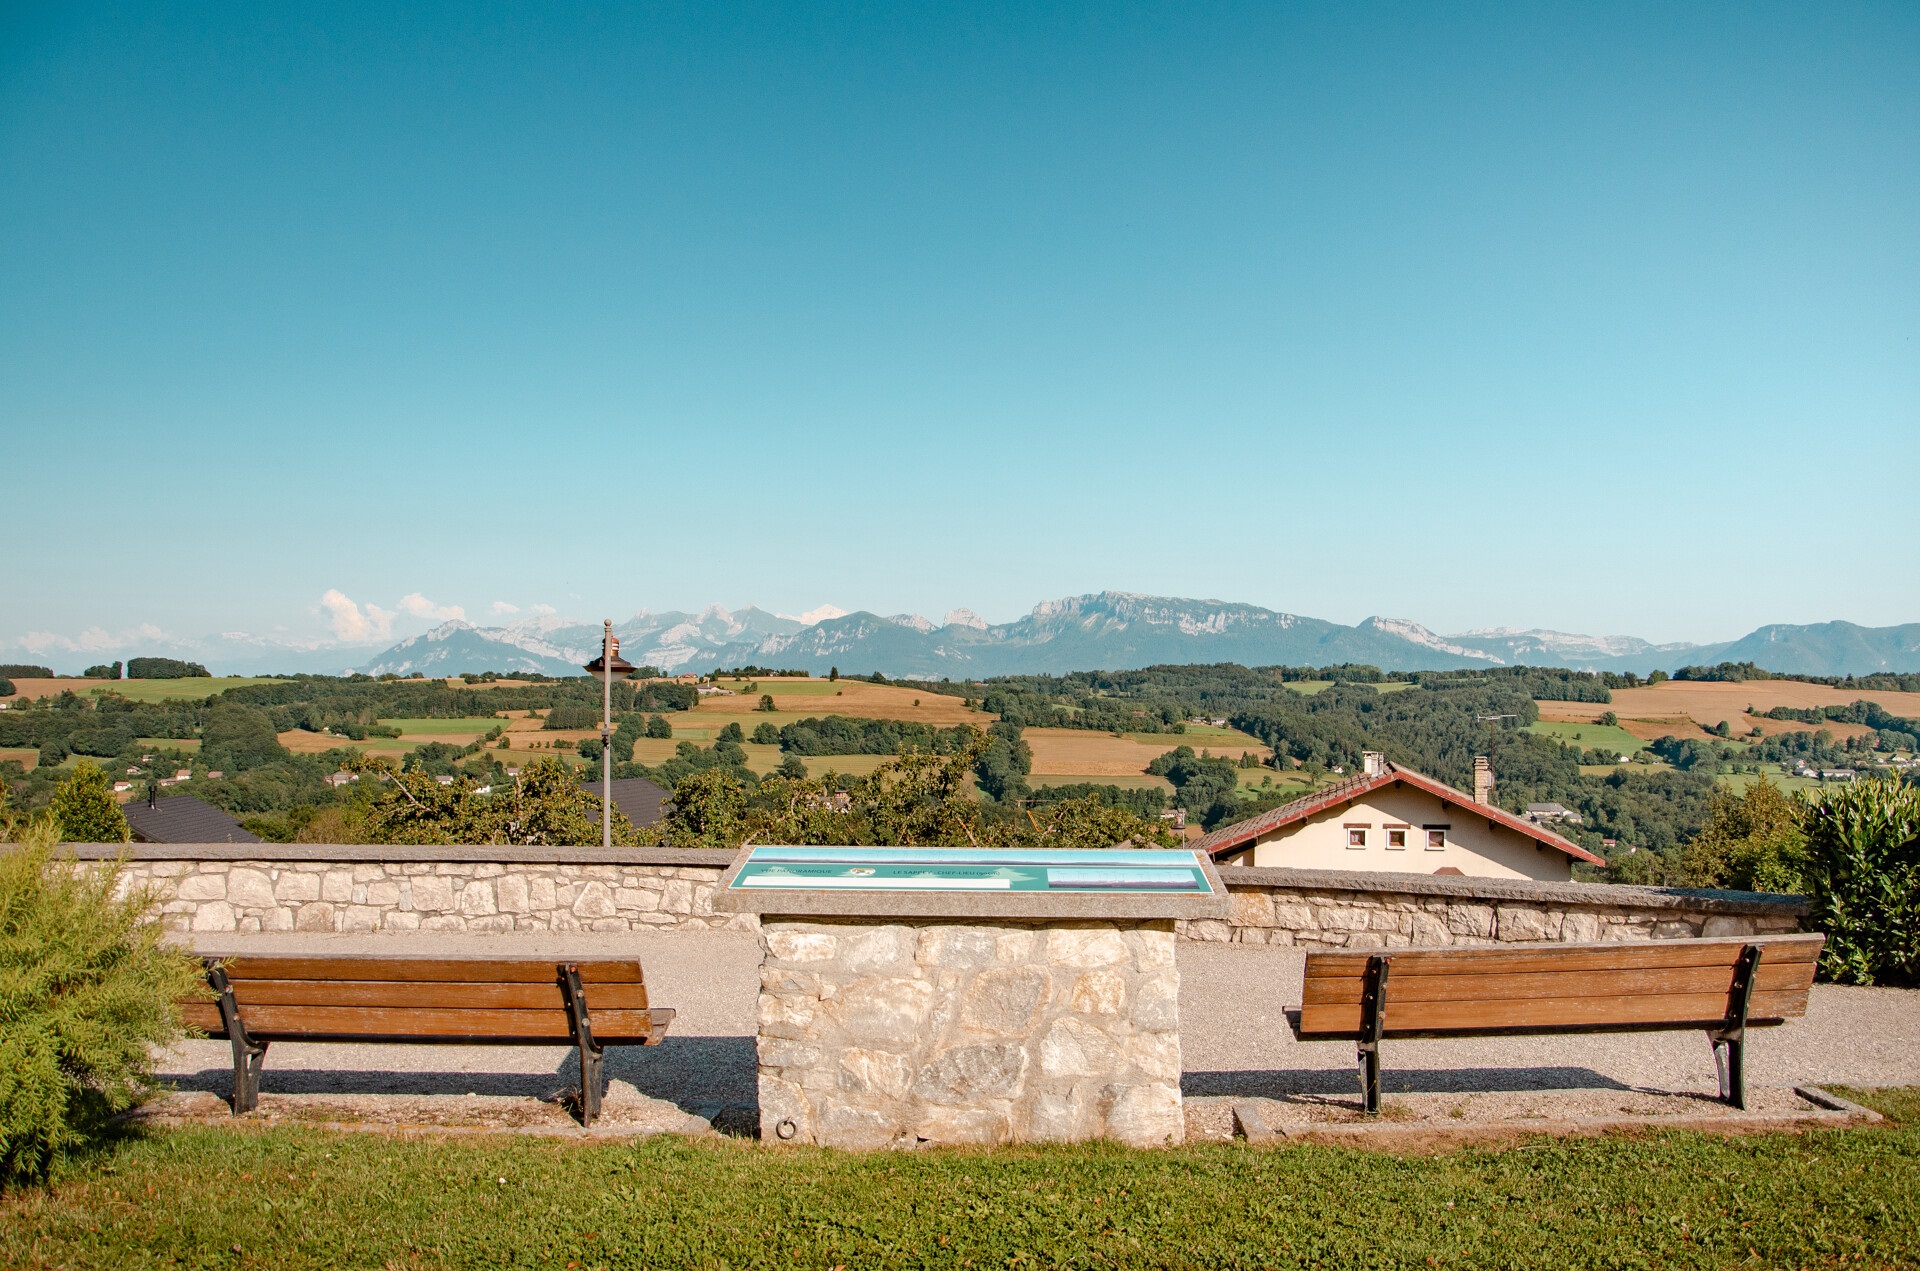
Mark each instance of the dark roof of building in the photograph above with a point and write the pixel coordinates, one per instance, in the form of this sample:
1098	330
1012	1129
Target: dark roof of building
643	802
181	818
1231	838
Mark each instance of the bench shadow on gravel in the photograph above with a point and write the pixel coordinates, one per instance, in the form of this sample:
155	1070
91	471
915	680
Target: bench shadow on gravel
696	1074
1278	1083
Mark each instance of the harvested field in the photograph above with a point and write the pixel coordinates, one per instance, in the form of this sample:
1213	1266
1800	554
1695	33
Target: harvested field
27	758
1090	756
1652	728
855	698
1125	781
1709	703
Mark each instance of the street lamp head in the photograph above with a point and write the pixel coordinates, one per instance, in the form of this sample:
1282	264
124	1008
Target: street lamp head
605	670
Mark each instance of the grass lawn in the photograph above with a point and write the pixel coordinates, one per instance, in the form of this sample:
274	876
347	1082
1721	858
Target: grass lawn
183	744
168	690
294	1198
1592	736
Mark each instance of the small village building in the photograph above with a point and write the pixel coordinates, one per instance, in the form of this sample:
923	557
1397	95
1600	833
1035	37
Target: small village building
184	819
1388	819
1540	813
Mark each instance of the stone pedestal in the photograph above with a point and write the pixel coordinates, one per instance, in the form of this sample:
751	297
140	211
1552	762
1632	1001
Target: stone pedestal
969	1018
948	1032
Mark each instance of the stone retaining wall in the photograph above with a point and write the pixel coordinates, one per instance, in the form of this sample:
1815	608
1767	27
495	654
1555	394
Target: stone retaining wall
891	1034
1324	909
222	887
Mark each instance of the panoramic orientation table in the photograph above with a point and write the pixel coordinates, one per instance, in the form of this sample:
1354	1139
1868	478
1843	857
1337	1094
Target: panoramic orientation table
969	995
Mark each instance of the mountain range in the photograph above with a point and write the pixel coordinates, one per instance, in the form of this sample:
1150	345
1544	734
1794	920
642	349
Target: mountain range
1109	631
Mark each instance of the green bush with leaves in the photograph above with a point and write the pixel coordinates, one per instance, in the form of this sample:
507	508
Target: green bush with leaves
1863	873
84	811
87	994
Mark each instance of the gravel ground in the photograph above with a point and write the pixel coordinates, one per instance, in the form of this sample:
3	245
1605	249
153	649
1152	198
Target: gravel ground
1234	1036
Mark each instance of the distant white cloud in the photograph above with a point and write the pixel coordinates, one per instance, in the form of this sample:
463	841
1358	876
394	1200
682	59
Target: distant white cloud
353	623
545	611
92	640
812	616
420	607
501	606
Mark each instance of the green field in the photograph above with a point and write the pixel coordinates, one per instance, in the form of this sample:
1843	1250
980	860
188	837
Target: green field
787	688
1199	736
293	1198
1140	781
470	726
1309	687
1741	780
171	690
1593	736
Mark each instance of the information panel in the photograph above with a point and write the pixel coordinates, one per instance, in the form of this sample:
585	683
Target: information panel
921	869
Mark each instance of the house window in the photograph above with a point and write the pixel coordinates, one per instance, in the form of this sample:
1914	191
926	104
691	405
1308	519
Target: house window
1397	838
1436	837
1356	836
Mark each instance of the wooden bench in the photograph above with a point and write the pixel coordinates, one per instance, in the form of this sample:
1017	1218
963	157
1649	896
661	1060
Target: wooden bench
1722	987
476	1001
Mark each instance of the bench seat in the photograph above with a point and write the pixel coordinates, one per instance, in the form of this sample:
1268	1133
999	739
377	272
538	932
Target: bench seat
491	1001
1720	986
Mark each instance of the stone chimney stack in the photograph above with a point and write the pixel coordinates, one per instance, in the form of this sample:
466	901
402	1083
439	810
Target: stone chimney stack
1373	763
1482	779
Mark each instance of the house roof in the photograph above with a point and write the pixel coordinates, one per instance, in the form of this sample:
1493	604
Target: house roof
643	802
1229	838
181	818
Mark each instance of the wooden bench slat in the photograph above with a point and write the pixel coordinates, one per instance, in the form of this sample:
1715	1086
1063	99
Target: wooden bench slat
1405	986
1595	958
1704	1009
290	1023
419	995
482	970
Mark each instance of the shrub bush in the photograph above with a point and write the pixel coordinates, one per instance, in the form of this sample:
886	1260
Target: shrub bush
1863	873
84	810
87	993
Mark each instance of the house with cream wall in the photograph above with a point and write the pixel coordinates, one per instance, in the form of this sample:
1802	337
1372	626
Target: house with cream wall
1388	819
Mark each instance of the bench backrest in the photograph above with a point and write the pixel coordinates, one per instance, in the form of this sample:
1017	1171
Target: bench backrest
1657	984
426	999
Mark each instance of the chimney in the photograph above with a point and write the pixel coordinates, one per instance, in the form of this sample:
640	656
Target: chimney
1373	763
1482	779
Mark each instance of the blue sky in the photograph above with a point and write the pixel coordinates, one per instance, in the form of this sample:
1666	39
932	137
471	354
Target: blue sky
1596	318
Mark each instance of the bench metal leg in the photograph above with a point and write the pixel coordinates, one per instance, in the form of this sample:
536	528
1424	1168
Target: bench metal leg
591	1053
1730	1039
1373	1009
248	1055
1729	1058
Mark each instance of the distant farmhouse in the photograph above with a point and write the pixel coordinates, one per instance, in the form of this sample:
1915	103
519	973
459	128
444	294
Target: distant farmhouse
184	819
1394	820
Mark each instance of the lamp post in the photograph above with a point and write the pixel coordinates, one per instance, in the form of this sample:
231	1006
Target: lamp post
607	668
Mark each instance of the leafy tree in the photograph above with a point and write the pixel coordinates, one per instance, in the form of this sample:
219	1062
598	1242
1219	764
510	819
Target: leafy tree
25	671
733	733
1863	872
766	703
792	769
164	669
84	810
546	804
658	728
105	671
765	734
1752	841
236	738
833	673
91	997
6	687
